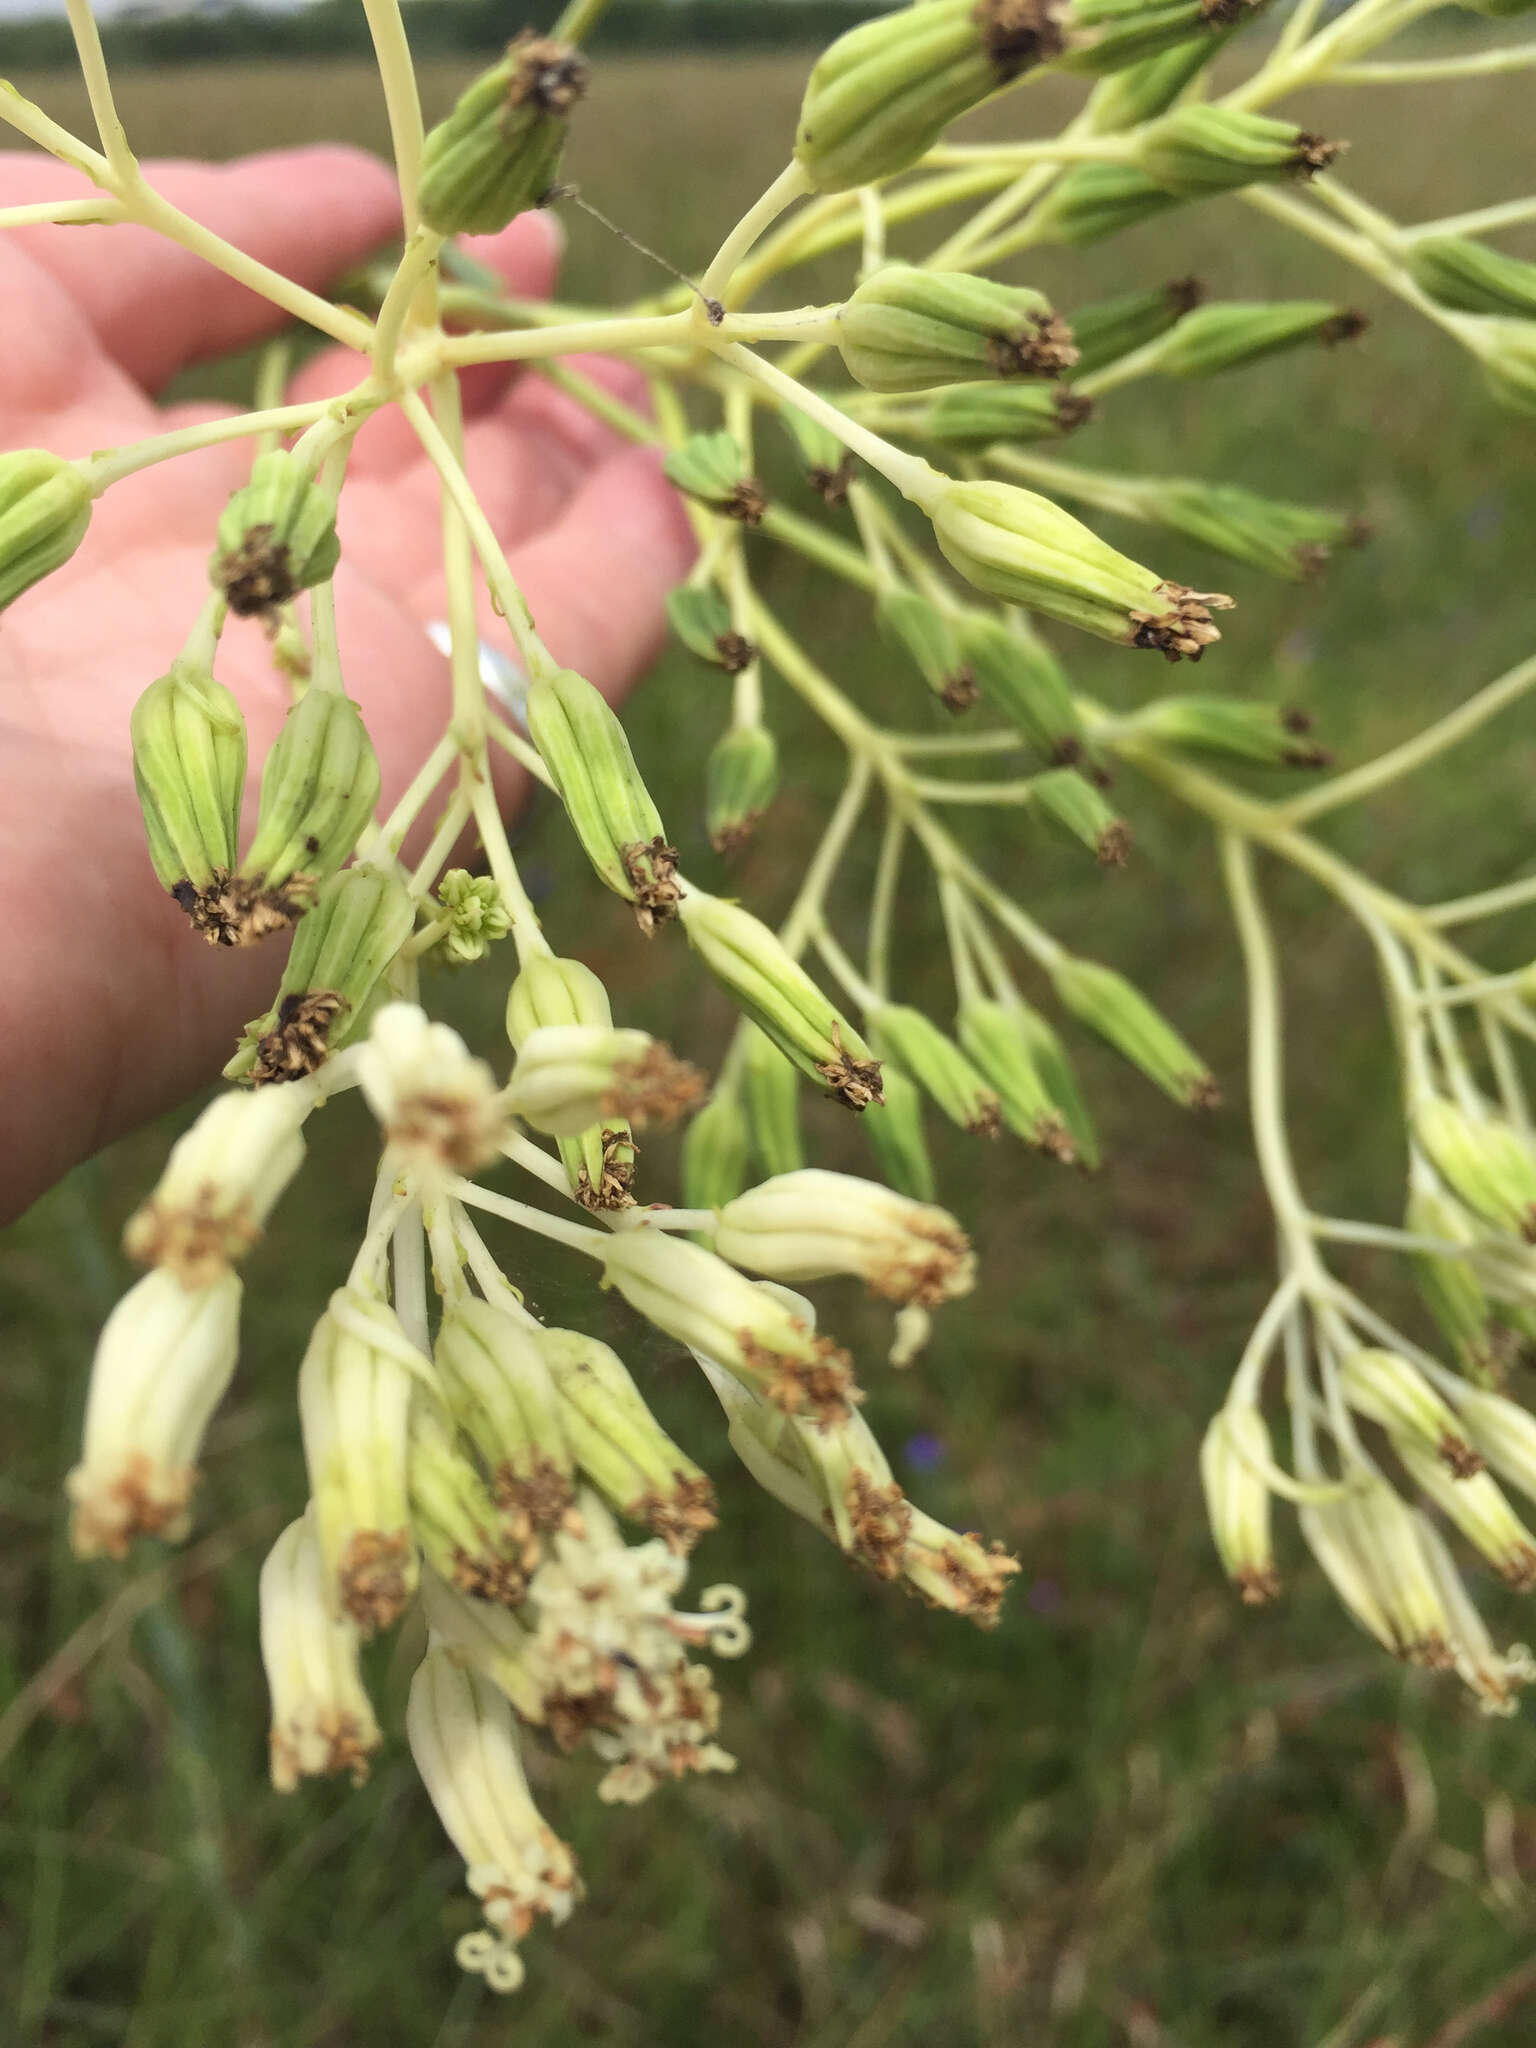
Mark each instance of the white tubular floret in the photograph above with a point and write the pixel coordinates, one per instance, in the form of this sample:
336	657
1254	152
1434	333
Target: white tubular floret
222	1181
810	1224
1232	1457
440	1108
322	1721
569	1077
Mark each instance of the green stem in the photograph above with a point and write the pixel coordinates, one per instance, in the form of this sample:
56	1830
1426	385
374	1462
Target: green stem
791	184
111	465
402	100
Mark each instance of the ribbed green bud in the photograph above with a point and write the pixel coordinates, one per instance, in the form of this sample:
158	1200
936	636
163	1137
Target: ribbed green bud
701	619
1200	149
1224	336
770	1090
1107	35
911	1041
318	790
620	1446
884	93
1478	1506
1234	1450
1482	1159
1450	1289
599	1162
996	1037
1019	546
741	779
715	1149
189	768
1456	271
1094	200
713	469
498	152
454	1519
907	329
500	1392
1267	733
1508	361
1108	1004
1070	802
1293	541
828	464
974	415
774	990
1020	677
585	749
895	1130
276	537
1112	328
1056	1072
45	508
926	633
1395	1394
1143	91
341	949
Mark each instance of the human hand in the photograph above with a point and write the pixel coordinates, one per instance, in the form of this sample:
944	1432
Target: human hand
111	1007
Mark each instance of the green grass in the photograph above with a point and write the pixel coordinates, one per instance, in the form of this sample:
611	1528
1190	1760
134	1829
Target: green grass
1136	1814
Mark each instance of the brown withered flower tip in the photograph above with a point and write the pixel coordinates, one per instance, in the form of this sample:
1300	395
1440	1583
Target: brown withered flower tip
257	576
748	501
1042	347
1313	154
959	692
831	485
1017	34
1429	1653
978	1588
1518	1568
195	1239
234	910
1051	1136
616	1176
881	1518
1204	1092
298	1044
1066	752
855	1083
656	1088
650	867
501	1580
735	651
1114	844
543	1494
346	1752
373	1574
1185	293
1184	630
551	75
572	1717
1222	13
141	1501
1300	722
820	1387
948	1270
1345	326
1458	1454
682	1515
1257	1584
732	838
1073	409
988	1119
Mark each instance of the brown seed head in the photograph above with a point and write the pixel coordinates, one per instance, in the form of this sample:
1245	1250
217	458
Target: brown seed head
735	651
234	910
978	1582
855	1083
1183	631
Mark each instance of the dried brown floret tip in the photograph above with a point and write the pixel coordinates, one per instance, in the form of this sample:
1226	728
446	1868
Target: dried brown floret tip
736	652
816	1382
1315	153
234	910
747	502
616	1176
831	485
543	1494
1114	844
298	1044
1204	1092
550	75
257	576
658	1087
1042	347
1018	33
855	1083
1458	1454
1257	1584
682	1515
1182	631
881	1517
650	866
959	692
375	1578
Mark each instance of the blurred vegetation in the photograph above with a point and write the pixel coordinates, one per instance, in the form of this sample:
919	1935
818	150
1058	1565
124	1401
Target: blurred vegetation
1136	1816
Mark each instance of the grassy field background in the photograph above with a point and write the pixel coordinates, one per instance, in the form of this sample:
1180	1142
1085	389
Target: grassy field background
1136	1816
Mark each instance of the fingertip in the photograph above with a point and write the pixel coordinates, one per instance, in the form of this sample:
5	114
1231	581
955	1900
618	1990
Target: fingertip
525	255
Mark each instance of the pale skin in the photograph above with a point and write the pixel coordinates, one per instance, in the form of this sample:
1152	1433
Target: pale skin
111	1008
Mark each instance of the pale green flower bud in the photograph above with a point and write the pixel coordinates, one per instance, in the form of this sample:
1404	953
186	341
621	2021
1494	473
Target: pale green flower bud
1202	148
715	1152
1056	1073
1504	1432
926	633
706	1304
1268	733
957	1572
276	537
1108	1004
479	916
440	1109
322	1719
828	464
906	329
1508	360
355	1390
1224	336
1235	1446
222	1181
1020	677
1369	1546
1142	91
758	974
454	1520
1494	1677
1091	201
600	1162
1482	1159
1471	277
713	469
464	1744
318	791
937	1064
1450	1288
487	1637
584	746
895	1130
45	508
570	1077
1107	35
498	152
1478	1507
189	769
1112	328
1394	1393
770	1091
163	1361
741	779
975	415
701	619
341	950
499	1390
1293	541
884	93
1072	803
810	1225
1017	545
997	1039
621	1447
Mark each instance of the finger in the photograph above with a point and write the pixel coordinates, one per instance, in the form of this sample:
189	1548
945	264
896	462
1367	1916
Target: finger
53	363
155	307
526	257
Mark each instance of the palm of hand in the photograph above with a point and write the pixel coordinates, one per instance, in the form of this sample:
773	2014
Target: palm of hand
110	1007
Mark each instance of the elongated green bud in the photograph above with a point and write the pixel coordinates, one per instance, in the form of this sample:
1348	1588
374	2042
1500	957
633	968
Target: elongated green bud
715	1152
1095	200
498	152
454	1519
498	1387
1237	1501
774	990
1396	1394
1108	35
189	768
713	469
1112	328
1504	1432
809	1225
620	1446
827	463
1482	1159
701	619
570	1077
1056	1072
1370	1547
925	633
599	1162
1108	1004
896	1132
277	536
906	329
973	415
996	1039
1451	1290
1478	1506
360	920
1141	92
1508	360
1225	336
45	508
741	780
620	829
1293	541
1456	271
1268	733
1201	148
1070	802
1020	677
885	92
318	790
937	1064
1019	546
770	1091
